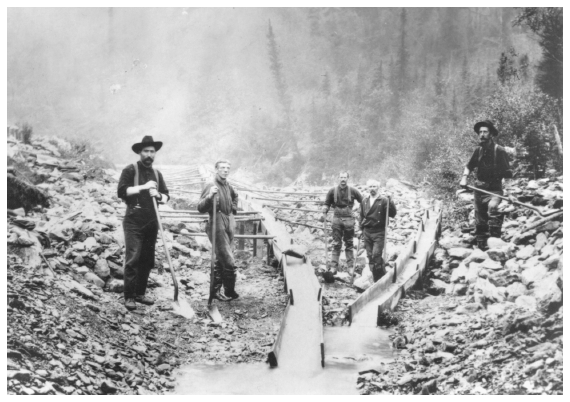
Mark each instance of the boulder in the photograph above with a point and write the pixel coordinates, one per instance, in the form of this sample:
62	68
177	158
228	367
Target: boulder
101	269
527	302
512	265
488	290
477	255
541	241
514	290
473	272
497	254
495	242
81	270
532	275
438	286
118	271
90	243
547	251
547	293
460	252
526	252
115	286
78	288
492	265
94	279
459	273
552	262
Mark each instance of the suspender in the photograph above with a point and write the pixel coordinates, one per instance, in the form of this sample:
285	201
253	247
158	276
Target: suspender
336	195
136	181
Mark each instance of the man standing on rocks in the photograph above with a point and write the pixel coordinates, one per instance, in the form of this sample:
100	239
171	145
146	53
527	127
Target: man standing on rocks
373	227
139	183
491	164
341	198
224	268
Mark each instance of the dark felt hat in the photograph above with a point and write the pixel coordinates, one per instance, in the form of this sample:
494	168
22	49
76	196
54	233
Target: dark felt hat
147	141
486	123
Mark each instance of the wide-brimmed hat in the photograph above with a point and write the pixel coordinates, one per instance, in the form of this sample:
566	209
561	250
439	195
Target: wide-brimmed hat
486	123
147	141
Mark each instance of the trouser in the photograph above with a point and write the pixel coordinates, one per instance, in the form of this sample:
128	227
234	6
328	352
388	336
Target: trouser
224	267
488	221
374	244
140	228
342	229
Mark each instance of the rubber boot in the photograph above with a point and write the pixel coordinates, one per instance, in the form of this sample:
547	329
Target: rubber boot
219	295
335	255
495	224
349	259
229	290
481	236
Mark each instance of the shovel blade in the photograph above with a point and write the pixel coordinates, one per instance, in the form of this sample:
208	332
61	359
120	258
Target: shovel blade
214	313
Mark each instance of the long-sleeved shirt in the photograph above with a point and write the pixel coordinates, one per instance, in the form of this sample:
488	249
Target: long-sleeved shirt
146	174
227	198
373	217
342	198
492	164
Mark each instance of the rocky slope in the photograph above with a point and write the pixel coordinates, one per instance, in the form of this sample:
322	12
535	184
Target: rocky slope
68	332
491	322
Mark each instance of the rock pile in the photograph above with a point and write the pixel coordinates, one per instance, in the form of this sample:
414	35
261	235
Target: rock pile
68	331
493	321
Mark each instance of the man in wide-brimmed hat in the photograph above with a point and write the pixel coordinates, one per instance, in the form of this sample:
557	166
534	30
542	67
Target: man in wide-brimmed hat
224	266
491	164
139	183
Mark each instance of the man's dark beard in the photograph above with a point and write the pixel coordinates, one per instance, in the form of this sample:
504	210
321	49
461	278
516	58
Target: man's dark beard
147	161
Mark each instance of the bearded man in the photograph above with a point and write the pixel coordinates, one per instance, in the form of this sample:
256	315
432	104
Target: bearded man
138	185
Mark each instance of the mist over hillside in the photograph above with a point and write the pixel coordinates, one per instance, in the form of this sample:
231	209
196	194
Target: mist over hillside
214	82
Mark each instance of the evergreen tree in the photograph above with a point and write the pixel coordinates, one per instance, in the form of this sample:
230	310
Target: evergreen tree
277	72
326	85
547	24
378	79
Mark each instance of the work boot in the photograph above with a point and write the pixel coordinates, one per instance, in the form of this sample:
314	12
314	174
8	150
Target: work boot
219	295
142	299
495	231
231	293
130	304
482	243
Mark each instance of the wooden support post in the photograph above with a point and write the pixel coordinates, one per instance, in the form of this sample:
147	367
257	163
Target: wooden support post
241	231
255	240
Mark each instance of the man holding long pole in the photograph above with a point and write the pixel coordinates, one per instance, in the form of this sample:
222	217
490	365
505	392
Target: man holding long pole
225	268
341	198
491	164
373	211
138	185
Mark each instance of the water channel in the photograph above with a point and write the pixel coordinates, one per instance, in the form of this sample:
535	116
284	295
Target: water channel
348	350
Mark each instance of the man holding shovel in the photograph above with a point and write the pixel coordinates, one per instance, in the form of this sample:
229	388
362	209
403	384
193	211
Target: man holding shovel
138	185
373	211
491	165
225	269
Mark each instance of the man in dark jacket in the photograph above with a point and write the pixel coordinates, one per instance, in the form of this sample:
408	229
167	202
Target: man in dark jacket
373	227
139	183
224	268
341	198
491	165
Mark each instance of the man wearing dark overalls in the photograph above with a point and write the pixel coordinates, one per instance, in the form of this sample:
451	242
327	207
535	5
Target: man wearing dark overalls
491	164
341	198
139	183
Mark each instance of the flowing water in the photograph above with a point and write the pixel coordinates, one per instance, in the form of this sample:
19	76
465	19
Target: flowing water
348	350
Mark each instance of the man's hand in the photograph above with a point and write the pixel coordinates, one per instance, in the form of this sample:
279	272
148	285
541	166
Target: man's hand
213	190
463	182
359	234
323	217
154	193
149	184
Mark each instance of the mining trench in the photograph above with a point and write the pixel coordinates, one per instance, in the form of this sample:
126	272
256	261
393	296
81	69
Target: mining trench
307	357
